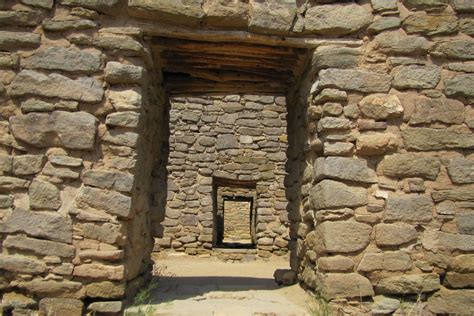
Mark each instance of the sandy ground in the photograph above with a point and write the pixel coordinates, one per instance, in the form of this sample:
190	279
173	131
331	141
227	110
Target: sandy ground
206	286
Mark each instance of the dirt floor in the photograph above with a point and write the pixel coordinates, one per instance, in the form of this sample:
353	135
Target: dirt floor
195	286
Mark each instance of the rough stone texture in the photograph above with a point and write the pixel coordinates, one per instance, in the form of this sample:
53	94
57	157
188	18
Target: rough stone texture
411	208
21	264
176	12
430	24
408	284
354	80
99	271
381	106
13	40
44	195
335	264
395	42
461	85
342	237
386	261
108	201
394	234
451	301
411	165
29	82
340	168
416	77
336	19
340	285
443	110
65	306
271	17
71	130
39	246
456	49
332	194
461	170
426	139
373	144
120	73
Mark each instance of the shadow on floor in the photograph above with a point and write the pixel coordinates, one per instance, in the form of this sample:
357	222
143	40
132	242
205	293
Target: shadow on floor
169	288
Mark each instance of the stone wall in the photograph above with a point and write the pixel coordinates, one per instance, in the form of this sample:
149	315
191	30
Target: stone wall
217	139
380	146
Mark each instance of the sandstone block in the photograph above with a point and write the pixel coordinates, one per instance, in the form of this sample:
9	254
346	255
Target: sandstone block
425	139
50	288
465	222
105	289
112	202
271	17
456	49
354	80
116	72
336	57
336	19
460	86
446	301
115	180
396	42
107	255
105	307
374	144
121	138
459	280
45	4
46	225
27	164
462	5
17	301
430	24
39	246
99	271
188	13
344	285
344	236
408	284
386	261
384	23
61	306
15	40
110	7
461	170
443	110
225	14
332	194
394	234
333	123
433	5
226	141
66	161
20	18
384	5
125	44
72	130
329	95
6	164
446	242
6	201
462	263
384	305
416	77
44	195
335	264
381	106
123	119
105	232
8	184
410	208
29	82
66	59
411	165
341	168
60	171
21	264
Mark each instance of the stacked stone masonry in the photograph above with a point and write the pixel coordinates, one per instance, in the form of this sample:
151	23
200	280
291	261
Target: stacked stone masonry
379	183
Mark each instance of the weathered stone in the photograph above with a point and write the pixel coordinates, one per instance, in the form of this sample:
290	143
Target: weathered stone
466	26
446	242
456	49
343	285
6	201
225	14
410	208
463	263
20	18
408	284
384	5
396	42
27	164
14	40
44	195
461	170
51	288
443	110
459	280
346	236
8	184
122	138
416	77
21	264
341	168
465	222
6	164
99	271
328	95
106	232
226	141
119	181
384	305
71	130
332	194
338	149
386	261
394	234
109	201
39	246
460	86
46	225
373	144
124	44
335	264
430	24
17	301
45	4
66	59
116	72
426	139
65	161
459	302
411	165
105	307
125	100
454	194
384	23
333	123
354	80
106	255
462	5
271	17
103	6
8	60
69	24
337	19
336	57
188	13
35	105
426	4
381	106
60	171
105	289
29	82
124	119
61	306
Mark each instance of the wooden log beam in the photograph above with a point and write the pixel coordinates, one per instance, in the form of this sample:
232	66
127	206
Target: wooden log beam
226	75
